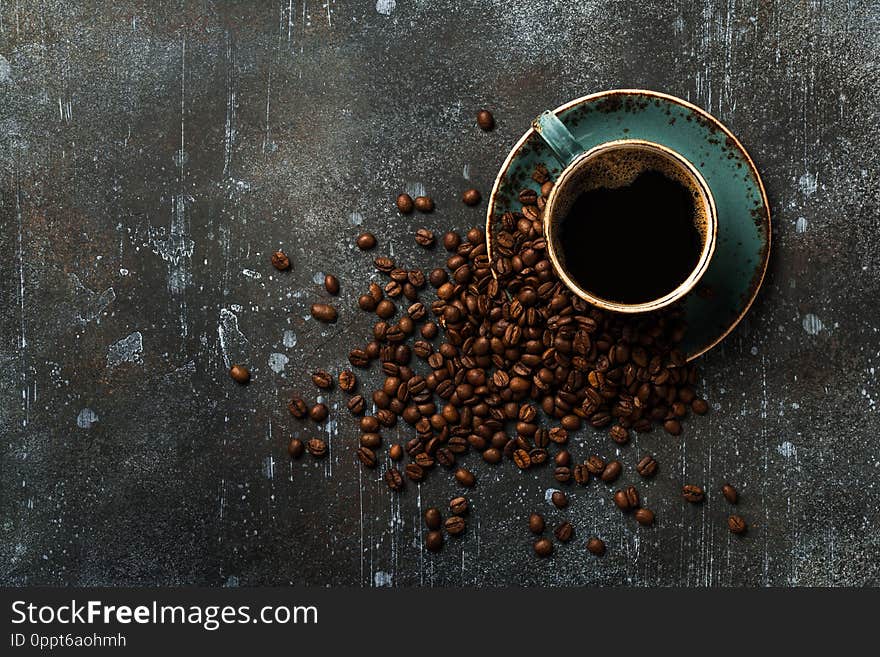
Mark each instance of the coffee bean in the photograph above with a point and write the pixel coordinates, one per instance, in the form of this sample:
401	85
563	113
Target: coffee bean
619	434
323	312
596	546
438	277
366	241
322	379
540	175
471	197
433	519
693	494
384	264
644	517
414	472
595	465
632	496
611	472
581	474
560	501
543	547
395	452
522	459
331	284
297	407
458	505
357	405
729	493
405	203
564	532
434	541
367	303
394	479
371	440
699	406
562	474
367	456
536	523
425	238
451	240
621	500
424	204
737	524
280	261
485	119
647	466
672	427
386	309
319	412
240	374
295	448
347	380
465	478
454	525
317	448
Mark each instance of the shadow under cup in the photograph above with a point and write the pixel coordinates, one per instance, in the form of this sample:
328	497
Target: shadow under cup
630	226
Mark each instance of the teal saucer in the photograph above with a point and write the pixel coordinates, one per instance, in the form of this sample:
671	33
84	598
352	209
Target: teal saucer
731	283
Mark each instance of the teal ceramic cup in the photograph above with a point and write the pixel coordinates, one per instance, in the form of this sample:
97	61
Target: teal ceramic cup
576	163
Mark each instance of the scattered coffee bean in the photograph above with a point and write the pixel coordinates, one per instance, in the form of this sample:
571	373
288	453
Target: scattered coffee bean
595	465
297	407
240	374
295	448
280	261
564	532
434	541
581	474
465	478
366	241
458	505
485	119
737	524
543	547
693	494
347	380
560	501
451	241
424	204
367	303
319	412
322	379
632	496
405	203
699	406
433	519
367	456
645	517
621	501
317	448
395	453
454	525
611	472
425	238
394	479
357	405
331	284
536	523
619	434
729	493
471	197
386	309
323	312
647	467
596	546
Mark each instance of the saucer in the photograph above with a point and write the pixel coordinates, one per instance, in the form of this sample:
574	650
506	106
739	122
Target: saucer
727	289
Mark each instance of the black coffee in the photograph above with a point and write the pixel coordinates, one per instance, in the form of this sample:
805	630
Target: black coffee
633	242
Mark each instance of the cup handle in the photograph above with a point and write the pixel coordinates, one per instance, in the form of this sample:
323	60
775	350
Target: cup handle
554	133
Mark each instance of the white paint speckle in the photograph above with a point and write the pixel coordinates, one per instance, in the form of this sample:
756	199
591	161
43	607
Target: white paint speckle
385	7
381	578
129	349
5	70
355	218
277	362
318	278
232	341
787	450
250	273
86	418
466	172
800	226
812	324
808	184
289	339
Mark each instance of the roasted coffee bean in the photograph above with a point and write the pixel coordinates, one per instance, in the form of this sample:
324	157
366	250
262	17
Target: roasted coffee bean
424	204
240	374
280	261
536	523
358	358
693	494
331	284
367	303
543	547
672	427
619	434
562	458
647	466
369	424
384	264
367	456
540	175
564	532
485	119
434	541
395	452
451	240
595	465
415	472
433	519
522	459
357	405
386	309
729	493
644	517
562	474
317	447
347	380
737	524
699	406
322	379
366	241
632	496
492	455
438	277
295	448
319	412
371	440
611	472
621	500
560	501
324	312
465	478
405	203
425	238
458	505
581	474
471	197
596	546
394	479
454	525
297	407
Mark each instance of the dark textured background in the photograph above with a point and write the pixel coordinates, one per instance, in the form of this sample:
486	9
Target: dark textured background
152	158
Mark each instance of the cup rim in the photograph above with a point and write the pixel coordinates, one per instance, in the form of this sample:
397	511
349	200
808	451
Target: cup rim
705	256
